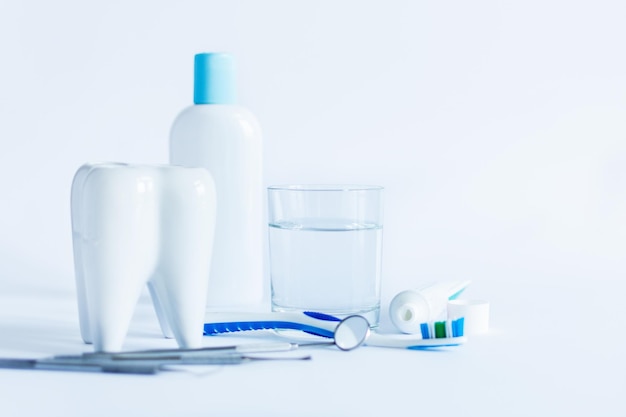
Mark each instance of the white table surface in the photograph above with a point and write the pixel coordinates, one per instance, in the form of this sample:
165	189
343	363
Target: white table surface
551	351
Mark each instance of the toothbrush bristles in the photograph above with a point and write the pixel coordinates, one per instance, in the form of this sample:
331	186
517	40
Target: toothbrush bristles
443	329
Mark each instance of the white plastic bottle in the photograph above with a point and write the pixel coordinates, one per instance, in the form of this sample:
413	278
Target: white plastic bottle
226	139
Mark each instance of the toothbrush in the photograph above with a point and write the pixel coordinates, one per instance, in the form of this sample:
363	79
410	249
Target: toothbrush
438	334
311	322
433	335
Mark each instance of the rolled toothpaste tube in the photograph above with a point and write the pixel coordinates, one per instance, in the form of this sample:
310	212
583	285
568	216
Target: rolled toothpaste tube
409	309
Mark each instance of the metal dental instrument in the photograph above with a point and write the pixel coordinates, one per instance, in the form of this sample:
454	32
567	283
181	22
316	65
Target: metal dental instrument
213	351
347	334
54	364
173	359
147	364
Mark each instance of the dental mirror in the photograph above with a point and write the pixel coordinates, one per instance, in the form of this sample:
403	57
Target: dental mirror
351	332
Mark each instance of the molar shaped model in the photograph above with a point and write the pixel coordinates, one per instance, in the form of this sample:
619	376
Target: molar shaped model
135	225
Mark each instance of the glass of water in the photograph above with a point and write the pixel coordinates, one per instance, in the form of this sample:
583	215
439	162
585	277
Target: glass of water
326	249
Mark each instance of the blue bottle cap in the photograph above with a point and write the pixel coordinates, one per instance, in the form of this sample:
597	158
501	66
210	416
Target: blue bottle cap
214	79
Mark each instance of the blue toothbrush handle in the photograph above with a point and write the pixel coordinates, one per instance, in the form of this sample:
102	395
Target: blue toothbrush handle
319	325
238	326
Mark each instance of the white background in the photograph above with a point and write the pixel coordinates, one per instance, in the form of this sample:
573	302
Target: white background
497	128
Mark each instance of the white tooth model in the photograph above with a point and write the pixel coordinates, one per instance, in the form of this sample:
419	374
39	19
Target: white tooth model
135	225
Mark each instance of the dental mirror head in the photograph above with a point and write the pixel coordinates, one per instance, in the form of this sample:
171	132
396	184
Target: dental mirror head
351	332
